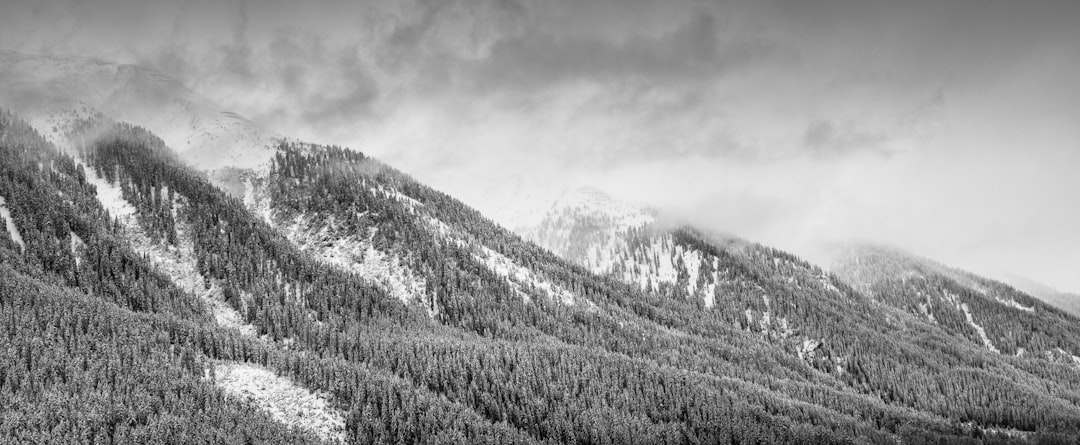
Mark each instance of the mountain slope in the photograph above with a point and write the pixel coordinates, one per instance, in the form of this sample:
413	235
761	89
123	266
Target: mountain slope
337	323
1063	300
826	319
993	314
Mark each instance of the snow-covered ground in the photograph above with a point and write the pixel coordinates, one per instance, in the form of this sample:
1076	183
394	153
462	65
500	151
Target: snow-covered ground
353	252
284	400
925	307
521	276
395	195
177	262
518	277
1014	304
596	231
807	350
76	245
12	229
982	332
963	307
257	200
356	253
111	198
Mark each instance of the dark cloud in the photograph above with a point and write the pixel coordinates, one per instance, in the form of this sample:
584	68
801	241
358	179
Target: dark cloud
698	50
357	94
818	111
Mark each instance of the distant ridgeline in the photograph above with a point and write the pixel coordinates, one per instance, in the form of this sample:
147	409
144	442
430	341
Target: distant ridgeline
135	288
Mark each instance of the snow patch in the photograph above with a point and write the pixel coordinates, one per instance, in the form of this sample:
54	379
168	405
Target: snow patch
12	229
925	308
1015	304
663	260
710	293
357	254
177	262
517	276
692	261
257	200
807	350
284	400
76	245
111	197
395	195
978	328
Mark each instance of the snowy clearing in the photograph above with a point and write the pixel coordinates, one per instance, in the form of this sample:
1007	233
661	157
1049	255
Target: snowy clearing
283	399
77	244
517	276
925	307
978	328
807	350
111	197
12	230
356	254
1015	304
177	262
257	200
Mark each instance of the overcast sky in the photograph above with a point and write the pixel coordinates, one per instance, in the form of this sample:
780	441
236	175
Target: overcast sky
949	128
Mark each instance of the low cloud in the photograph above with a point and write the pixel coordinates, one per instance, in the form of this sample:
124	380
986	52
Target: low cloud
827	139
696	51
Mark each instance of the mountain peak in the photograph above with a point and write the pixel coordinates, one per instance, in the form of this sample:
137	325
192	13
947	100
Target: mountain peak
589	201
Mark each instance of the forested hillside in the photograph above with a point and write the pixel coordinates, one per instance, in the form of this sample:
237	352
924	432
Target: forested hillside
130	284
986	312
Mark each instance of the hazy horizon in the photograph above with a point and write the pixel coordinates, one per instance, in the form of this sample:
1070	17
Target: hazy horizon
949	129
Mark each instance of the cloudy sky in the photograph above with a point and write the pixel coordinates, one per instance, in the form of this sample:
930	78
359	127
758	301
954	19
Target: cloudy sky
950	128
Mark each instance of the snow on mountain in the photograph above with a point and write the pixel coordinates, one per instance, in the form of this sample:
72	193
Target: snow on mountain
518	277
1062	300
54	92
9	223
76	245
355	252
608	236
178	262
983	310
283	399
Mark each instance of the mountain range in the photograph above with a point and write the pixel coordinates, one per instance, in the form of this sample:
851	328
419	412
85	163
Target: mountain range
170	272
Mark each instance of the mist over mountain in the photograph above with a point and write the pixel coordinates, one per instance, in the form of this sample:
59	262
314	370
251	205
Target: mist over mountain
940	128
1064	300
518	222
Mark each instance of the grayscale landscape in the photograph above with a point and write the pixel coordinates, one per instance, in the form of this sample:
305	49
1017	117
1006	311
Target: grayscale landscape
539	222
